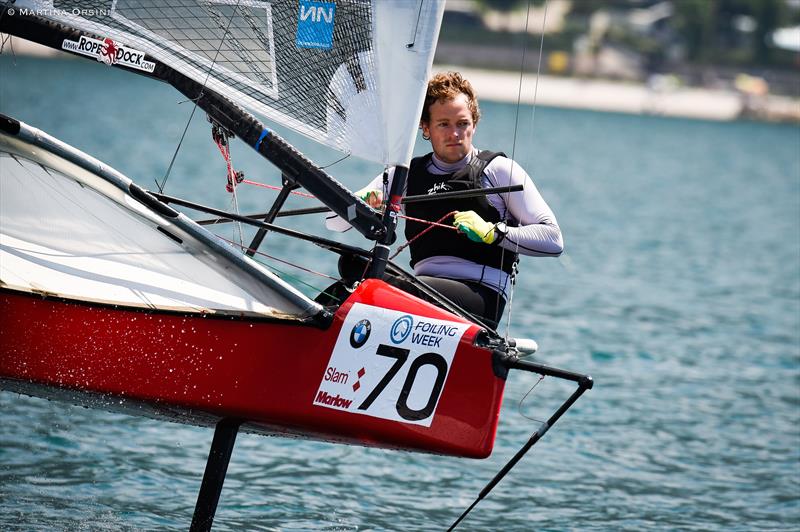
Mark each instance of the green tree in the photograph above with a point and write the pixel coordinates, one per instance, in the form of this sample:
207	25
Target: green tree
507	5
770	15
694	20
500	5
707	27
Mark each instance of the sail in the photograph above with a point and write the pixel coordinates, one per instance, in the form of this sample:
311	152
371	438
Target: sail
348	74
73	228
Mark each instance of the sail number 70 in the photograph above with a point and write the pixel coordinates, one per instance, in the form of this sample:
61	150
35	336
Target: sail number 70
400	357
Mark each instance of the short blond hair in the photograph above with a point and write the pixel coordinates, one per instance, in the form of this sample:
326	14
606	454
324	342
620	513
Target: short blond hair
446	86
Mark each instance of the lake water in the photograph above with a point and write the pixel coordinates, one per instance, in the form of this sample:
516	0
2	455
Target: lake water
679	293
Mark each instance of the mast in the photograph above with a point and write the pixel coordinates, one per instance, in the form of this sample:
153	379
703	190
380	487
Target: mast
380	255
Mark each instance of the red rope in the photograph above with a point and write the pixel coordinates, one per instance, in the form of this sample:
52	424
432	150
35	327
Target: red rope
221	140
437	223
273	187
432	224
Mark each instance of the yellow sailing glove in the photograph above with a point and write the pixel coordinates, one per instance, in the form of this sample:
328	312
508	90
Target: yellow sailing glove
476	228
371	196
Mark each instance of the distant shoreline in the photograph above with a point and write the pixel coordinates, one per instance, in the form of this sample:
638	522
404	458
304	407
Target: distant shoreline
611	96
596	95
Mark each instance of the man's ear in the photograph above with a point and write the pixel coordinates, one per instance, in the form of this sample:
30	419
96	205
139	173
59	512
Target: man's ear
424	126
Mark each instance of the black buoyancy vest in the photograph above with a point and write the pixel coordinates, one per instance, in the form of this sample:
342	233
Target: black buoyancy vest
439	241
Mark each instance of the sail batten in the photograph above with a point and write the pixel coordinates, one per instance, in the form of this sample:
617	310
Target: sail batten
341	73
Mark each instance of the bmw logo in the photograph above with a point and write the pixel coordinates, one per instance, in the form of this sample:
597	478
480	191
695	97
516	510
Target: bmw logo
401	328
360	333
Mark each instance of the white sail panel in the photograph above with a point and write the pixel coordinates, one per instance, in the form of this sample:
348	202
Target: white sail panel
70	227
348	74
406	37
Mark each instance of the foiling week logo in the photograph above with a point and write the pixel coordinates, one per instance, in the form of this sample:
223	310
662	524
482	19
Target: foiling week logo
401	328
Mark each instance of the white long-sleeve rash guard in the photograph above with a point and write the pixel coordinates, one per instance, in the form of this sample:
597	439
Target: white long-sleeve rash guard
533	229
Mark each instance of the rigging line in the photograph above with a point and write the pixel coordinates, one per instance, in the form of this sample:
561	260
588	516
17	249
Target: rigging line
177	149
307	270
274	187
237	226
538	68
335	162
191	116
511	172
222	139
519	405
521	79
437	223
432	224
522	70
413	38
533	114
287	275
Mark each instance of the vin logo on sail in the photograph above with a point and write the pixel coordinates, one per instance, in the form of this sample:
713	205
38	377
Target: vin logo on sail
315	24
109	52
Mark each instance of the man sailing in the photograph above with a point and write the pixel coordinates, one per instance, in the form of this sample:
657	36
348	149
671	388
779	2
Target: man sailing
472	267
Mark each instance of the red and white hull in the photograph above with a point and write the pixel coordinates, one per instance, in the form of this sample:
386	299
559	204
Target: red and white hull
275	377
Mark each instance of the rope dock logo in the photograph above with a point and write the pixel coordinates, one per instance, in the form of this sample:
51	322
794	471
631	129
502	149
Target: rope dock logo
109	52
360	333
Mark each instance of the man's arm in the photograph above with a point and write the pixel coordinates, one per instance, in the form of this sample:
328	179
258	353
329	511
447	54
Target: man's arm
372	194
538	233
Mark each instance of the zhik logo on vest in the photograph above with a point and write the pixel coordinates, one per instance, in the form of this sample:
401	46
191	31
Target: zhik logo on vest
109	52
439	187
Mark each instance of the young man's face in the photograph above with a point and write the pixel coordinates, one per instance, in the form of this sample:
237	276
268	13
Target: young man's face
450	128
